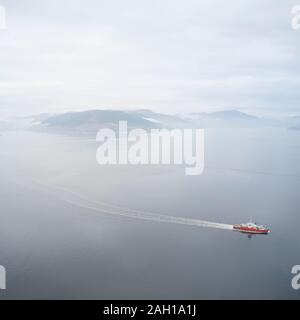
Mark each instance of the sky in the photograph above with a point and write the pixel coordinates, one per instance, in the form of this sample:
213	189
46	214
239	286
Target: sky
169	56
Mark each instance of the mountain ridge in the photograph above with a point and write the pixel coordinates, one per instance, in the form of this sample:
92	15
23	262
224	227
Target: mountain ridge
90	121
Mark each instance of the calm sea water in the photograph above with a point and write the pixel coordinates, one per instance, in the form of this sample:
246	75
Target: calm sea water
55	248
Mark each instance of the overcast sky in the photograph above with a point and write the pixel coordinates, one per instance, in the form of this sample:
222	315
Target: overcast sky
168	55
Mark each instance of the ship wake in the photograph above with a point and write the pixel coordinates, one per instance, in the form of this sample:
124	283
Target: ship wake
78	200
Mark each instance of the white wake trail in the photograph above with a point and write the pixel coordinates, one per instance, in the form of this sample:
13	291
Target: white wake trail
104	207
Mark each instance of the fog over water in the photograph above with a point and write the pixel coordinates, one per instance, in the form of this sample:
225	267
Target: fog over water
54	246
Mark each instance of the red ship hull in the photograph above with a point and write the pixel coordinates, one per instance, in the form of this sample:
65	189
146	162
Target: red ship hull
250	230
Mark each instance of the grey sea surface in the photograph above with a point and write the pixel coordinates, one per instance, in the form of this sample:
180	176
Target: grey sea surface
54	247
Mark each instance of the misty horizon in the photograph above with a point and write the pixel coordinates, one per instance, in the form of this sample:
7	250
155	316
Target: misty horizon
169	57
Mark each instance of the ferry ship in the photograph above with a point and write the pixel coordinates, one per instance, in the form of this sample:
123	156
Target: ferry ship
252	228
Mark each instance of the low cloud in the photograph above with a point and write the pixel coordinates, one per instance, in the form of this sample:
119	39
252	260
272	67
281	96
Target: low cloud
169	56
